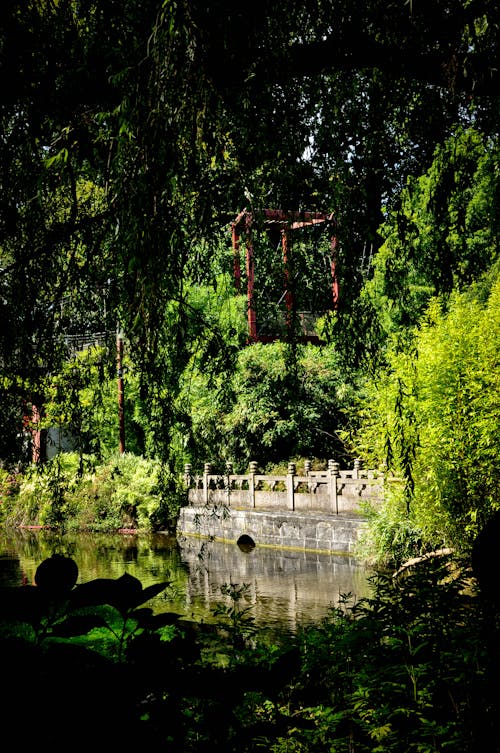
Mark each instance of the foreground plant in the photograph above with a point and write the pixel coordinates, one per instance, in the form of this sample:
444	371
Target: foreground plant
408	669
411	669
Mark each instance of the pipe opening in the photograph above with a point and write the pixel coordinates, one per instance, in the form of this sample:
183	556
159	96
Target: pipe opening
246	543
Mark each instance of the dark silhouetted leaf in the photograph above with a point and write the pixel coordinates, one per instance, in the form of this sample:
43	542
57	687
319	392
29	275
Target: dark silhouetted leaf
57	575
78	625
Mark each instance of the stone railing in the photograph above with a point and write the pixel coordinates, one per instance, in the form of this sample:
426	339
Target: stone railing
331	491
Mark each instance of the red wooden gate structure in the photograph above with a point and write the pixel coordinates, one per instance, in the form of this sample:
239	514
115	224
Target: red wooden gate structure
287	223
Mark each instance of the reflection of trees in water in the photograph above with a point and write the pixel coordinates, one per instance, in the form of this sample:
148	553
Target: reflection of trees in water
11	572
285	588
150	558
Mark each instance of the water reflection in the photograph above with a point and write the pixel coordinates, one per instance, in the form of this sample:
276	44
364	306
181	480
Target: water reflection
286	588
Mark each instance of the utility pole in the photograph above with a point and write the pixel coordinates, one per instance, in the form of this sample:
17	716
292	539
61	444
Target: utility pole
121	397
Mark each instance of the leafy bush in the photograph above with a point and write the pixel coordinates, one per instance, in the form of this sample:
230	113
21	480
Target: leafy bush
392	535
73	492
407	669
459	415
433	416
278	404
9	488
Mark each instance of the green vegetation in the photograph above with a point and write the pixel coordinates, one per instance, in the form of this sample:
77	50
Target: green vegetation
423	402
432	406
132	134
75	493
279	402
407	669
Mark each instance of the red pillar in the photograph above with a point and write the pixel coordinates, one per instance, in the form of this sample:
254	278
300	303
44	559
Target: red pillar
286	246
335	281
38	437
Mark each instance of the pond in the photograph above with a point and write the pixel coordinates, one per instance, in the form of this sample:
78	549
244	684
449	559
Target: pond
285	588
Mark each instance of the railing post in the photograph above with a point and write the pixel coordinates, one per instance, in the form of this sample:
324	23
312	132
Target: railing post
307	467
207	470
229	470
357	467
334	469
254	467
187	479
289	486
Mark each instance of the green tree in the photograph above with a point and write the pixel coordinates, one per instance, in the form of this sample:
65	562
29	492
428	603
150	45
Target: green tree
433	415
278	405
445	233
169	112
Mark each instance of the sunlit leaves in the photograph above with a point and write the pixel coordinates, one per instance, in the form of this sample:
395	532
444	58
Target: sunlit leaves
438	405
459	405
444	234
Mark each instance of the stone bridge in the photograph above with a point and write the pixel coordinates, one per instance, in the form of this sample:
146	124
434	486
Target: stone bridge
317	511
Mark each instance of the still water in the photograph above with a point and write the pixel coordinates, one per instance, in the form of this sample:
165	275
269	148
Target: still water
286	589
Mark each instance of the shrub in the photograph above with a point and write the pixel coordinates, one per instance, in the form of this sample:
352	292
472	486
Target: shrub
69	491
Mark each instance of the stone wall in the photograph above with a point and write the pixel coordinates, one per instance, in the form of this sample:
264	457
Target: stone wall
291	530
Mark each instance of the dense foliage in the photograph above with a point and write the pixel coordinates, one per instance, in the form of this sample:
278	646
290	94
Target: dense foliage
72	492
411	668
432	407
279	403
131	134
444	233
433	415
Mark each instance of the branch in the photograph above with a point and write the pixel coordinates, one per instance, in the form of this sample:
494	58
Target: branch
440	59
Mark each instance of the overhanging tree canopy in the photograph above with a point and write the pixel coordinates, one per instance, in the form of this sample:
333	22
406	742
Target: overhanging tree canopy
129	133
